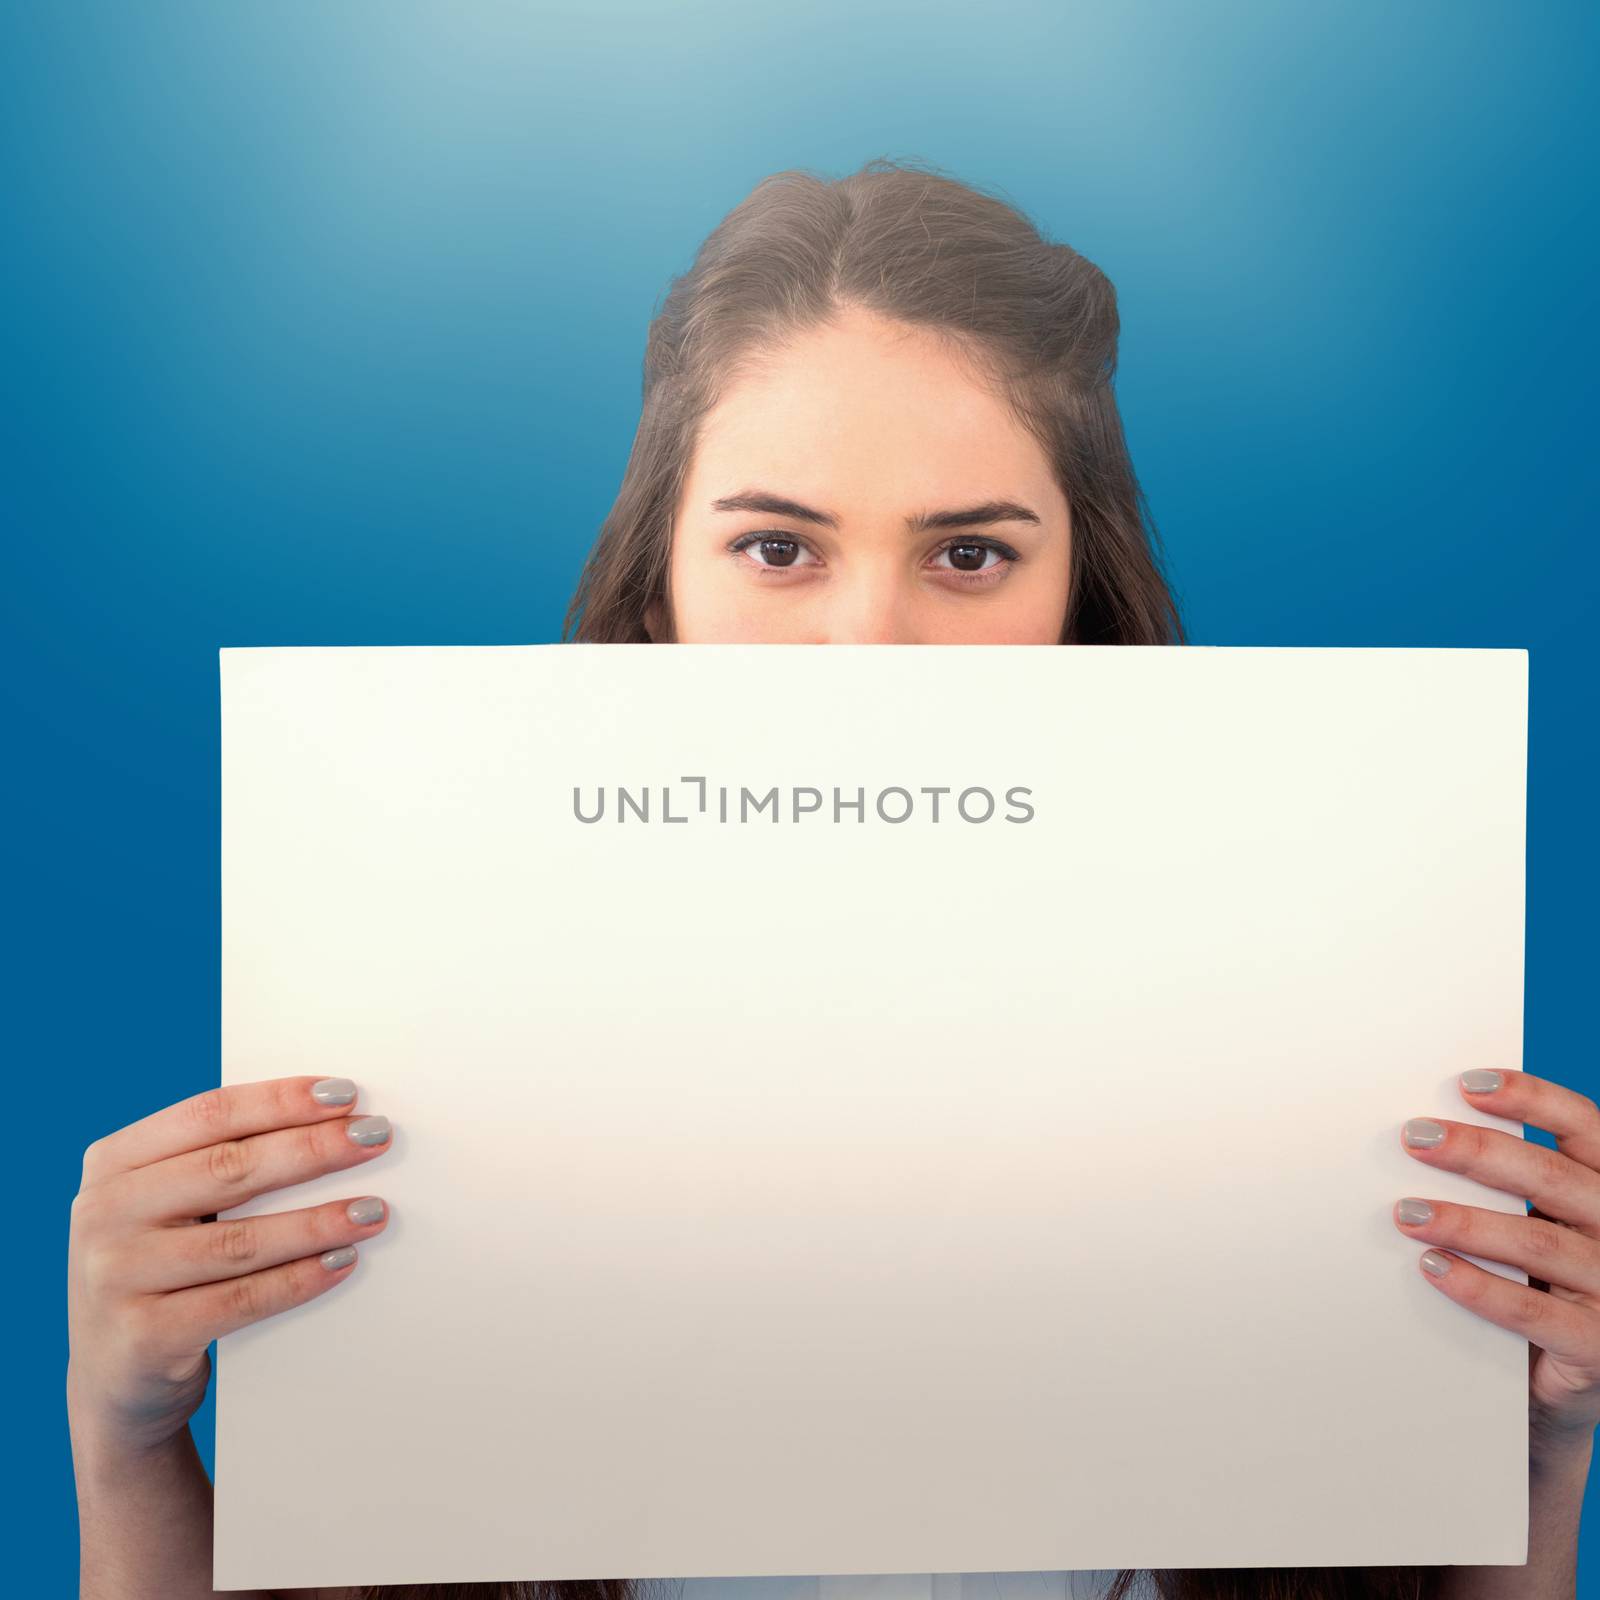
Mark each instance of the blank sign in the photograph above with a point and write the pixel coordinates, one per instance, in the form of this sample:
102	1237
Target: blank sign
874	1110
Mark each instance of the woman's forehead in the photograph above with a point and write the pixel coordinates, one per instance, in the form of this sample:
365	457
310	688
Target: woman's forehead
922	443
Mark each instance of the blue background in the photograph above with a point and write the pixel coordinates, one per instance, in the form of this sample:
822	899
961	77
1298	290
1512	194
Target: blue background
323	324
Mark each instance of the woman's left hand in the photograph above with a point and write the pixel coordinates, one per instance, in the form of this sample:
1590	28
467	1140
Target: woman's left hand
1557	1244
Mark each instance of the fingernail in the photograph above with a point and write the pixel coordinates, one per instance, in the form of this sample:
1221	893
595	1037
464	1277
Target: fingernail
334	1091
1414	1211
1480	1080
368	1130
367	1210
1423	1133
1436	1262
342	1257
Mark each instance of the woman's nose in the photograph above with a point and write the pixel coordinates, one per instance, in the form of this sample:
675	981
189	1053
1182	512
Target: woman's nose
875	613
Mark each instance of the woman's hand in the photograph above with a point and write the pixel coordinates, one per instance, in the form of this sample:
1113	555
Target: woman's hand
153	1277
1558	1244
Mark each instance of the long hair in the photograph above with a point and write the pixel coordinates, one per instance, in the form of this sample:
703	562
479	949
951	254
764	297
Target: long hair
1036	320
1040	321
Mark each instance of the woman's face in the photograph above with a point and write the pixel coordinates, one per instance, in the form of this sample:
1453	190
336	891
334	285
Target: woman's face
865	488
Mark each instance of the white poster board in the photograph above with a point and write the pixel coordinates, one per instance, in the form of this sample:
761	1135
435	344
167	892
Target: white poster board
1007	1187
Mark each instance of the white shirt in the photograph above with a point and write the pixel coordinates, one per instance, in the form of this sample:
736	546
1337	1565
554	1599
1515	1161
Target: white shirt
1078	1585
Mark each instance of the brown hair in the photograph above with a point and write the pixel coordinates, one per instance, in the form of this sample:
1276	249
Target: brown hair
1039	319
1035	319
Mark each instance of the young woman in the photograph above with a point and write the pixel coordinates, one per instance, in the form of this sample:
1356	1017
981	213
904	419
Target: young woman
875	410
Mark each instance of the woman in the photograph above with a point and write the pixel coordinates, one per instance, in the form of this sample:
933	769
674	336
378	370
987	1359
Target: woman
875	410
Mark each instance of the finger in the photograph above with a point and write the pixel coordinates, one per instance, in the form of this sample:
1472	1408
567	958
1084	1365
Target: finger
233	1111
1568	1329
236	1170
178	1258
1573	1118
1542	1248
1539	1283
208	1311
1558	1185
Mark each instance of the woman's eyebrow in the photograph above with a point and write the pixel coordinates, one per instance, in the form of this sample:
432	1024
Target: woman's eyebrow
778	505
973	516
774	505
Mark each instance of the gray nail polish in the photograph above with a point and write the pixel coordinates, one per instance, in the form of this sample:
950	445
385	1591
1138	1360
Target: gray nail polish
368	1130
368	1210
1423	1133
1415	1211
342	1257
1480	1080
334	1091
1436	1263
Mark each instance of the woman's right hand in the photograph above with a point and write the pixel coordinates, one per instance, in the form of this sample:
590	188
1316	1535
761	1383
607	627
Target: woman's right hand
153	1277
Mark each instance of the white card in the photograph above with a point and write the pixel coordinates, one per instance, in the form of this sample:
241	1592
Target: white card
1003	1188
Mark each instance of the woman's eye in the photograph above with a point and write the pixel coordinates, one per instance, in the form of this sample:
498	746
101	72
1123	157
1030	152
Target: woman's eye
773	551
972	561
970	556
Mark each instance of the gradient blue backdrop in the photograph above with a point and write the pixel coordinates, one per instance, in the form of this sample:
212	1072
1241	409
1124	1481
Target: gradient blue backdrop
323	324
